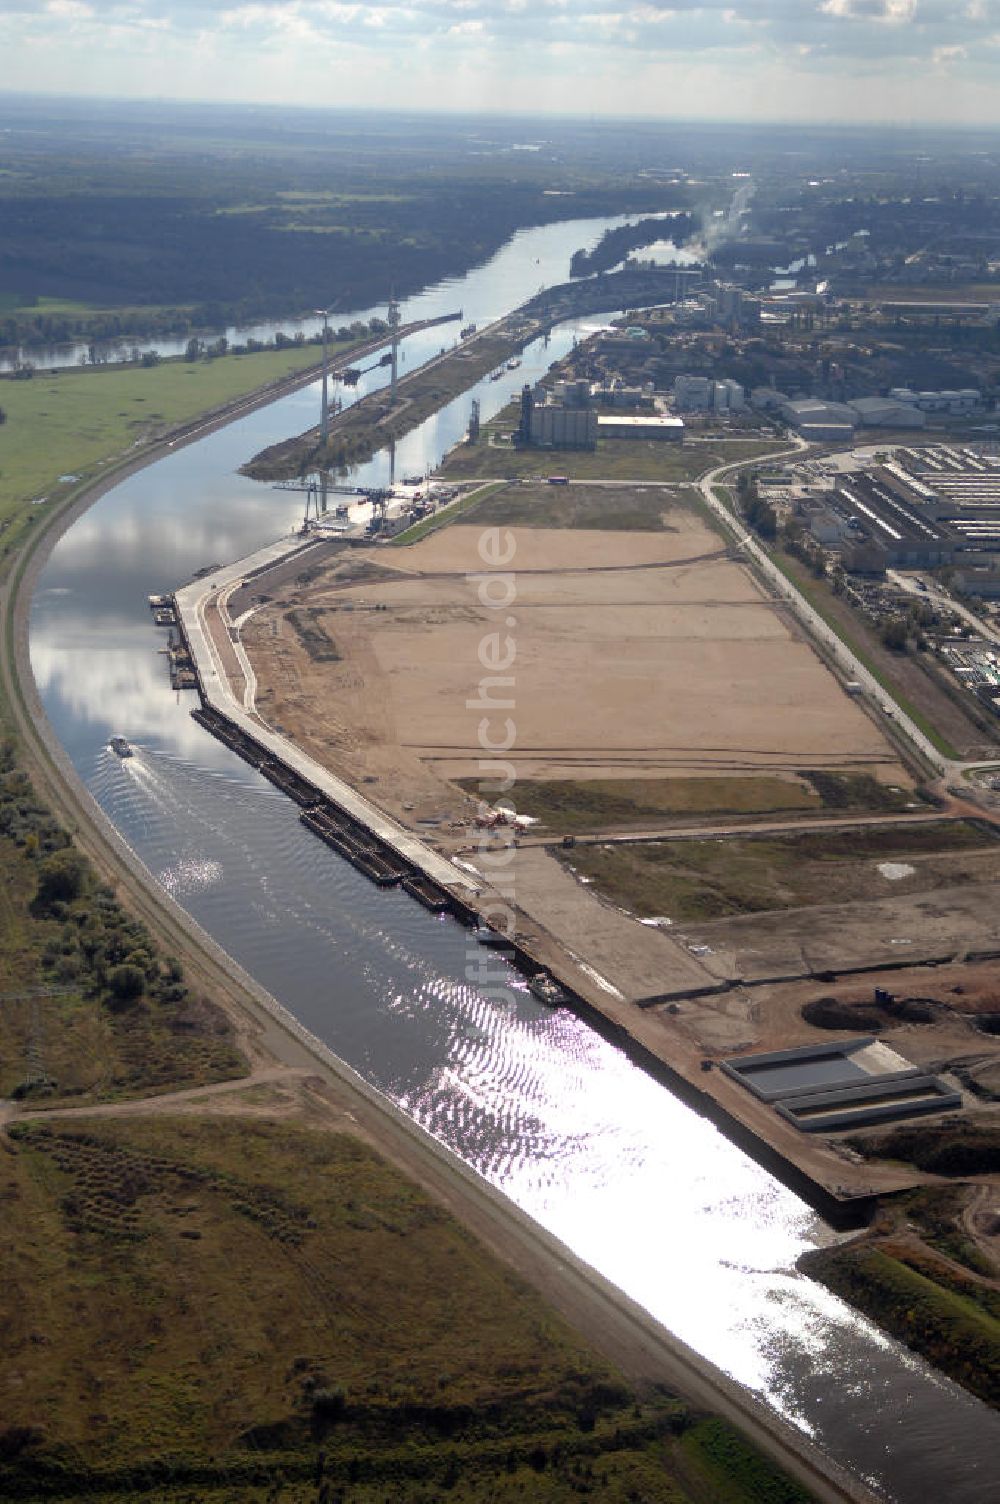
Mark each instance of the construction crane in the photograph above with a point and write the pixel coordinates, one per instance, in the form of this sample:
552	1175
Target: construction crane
379	496
394	318
317	489
353	374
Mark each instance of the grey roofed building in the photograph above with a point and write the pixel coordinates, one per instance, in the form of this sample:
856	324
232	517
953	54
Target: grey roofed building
885	412
817	413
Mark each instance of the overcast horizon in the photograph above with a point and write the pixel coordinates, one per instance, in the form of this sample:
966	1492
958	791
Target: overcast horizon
906	63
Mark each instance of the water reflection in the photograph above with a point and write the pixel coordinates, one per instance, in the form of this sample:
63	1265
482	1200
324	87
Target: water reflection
635	1182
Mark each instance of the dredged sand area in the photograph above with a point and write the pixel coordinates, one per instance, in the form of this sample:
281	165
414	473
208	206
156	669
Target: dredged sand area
625	654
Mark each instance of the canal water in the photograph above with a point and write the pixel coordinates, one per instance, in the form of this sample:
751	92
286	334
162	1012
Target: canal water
632	1180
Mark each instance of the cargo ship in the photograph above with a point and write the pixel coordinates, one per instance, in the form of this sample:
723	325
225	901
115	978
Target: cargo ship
119	745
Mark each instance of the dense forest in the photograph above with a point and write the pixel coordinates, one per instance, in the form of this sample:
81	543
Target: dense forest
115	232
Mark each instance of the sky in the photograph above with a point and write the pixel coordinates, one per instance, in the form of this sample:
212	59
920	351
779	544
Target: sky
889	61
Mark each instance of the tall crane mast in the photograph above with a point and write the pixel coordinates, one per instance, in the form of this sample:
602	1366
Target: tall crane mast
394	320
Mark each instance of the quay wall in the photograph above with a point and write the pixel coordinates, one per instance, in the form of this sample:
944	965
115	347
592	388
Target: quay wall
362	842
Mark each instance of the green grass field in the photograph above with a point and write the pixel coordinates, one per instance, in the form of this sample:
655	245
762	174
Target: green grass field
715	879
577	805
617	508
613	459
729	1469
75	422
364	1326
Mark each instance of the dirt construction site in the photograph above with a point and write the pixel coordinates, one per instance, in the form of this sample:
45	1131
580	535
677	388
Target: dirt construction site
652	699
633	654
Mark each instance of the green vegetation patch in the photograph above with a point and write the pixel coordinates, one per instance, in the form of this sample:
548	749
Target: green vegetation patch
575	805
600	507
949	1329
578	805
218	1303
856	791
74	422
722	877
938	1212
89	1009
940	1149
731	1469
613	459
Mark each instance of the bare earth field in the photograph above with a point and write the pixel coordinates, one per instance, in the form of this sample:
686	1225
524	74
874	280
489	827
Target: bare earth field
637	654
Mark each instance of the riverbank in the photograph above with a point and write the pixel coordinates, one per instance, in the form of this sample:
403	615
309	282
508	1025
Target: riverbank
374	422
925	1282
379	419
62	429
617	1325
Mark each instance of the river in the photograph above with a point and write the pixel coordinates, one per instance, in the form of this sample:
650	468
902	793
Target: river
632	1180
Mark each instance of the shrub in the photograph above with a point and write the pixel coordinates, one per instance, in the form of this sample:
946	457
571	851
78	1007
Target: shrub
61	879
126	982
329	1404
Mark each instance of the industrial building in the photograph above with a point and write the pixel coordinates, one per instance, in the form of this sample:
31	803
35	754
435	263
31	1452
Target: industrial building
959	488
889	530
702	394
552	427
644	426
693	394
821	422
566	393
548	424
984	581
968	400
886	412
619	395
960	481
767	399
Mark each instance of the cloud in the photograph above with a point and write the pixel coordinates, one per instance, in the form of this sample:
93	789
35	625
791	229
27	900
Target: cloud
761	51
892	11
945	55
69	10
